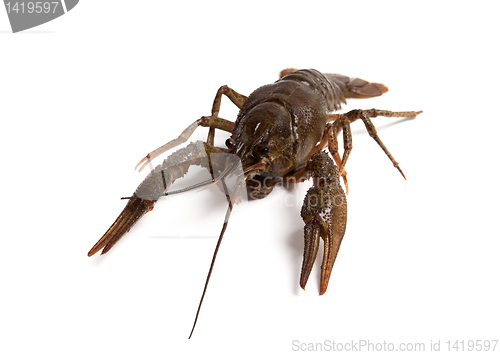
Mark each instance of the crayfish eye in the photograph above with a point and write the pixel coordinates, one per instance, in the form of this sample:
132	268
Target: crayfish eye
264	151
229	142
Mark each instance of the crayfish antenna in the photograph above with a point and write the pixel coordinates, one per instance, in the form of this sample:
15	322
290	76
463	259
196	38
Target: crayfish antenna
219	241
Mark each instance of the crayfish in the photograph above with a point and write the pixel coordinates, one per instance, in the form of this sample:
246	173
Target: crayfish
279	136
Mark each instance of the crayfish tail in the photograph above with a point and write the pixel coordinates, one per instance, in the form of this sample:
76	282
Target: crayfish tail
366	90
287	71
357	88
133	211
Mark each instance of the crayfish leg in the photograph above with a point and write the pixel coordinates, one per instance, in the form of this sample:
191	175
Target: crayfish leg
343	121
212	122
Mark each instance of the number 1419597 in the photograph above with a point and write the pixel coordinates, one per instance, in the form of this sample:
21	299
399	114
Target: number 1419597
471	345
31	7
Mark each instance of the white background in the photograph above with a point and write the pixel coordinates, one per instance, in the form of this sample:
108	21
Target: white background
84	97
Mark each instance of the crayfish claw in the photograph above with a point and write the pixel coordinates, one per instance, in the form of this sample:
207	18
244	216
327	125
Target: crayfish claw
154	186
133	211
311	246
325	215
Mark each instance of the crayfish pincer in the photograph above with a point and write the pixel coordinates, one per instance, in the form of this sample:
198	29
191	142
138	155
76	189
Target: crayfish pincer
278	137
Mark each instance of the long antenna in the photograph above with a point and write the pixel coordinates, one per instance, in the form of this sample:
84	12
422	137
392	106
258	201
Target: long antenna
224	226
185	189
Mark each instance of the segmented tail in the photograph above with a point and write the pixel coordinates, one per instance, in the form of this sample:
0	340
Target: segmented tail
335	87
357	88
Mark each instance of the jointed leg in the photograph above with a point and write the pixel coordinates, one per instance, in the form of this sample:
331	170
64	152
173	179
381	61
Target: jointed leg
213	122
373	133
330	138
333	146
364	115
235	98
375	113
